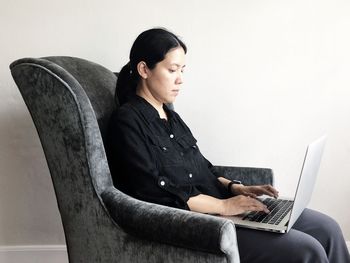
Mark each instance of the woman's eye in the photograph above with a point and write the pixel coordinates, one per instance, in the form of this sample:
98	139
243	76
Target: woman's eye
172	70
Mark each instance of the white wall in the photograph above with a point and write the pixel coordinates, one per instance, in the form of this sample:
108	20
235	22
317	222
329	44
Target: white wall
270	76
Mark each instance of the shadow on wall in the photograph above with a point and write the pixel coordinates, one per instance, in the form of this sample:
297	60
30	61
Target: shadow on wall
27	199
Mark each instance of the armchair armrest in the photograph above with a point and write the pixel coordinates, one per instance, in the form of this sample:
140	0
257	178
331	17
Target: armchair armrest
248	175
172	226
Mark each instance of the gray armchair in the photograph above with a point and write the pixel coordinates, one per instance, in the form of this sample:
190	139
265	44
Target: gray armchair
70	101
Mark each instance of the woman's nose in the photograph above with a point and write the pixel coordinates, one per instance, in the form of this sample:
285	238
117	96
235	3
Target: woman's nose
179	79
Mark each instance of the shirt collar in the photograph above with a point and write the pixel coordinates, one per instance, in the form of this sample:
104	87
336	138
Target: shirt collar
148	110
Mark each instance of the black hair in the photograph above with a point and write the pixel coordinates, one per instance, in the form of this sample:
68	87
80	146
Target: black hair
151	46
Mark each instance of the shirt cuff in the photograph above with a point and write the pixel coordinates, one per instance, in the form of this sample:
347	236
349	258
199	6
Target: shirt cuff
183	193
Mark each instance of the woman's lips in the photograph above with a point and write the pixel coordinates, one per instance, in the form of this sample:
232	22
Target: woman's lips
175	92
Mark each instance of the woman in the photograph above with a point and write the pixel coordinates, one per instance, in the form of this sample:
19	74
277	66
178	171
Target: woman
154	157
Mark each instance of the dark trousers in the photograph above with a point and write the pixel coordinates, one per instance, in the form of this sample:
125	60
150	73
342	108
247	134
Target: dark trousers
314	238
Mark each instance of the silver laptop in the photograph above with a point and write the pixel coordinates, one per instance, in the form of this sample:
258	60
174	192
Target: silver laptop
285	211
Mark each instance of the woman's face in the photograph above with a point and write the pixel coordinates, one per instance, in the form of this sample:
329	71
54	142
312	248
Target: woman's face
164	81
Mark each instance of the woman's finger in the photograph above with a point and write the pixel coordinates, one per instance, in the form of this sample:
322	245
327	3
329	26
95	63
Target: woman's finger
257	205
268	191
272	190
257	208
251	194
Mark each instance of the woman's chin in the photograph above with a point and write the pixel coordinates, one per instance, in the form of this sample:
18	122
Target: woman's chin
170	99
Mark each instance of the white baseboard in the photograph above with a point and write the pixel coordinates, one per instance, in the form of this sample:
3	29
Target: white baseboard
33	254
41	254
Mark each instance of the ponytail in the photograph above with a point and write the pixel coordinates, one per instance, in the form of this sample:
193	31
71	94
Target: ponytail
126	85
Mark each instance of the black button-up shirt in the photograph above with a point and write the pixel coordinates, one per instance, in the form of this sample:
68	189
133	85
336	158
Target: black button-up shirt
157	160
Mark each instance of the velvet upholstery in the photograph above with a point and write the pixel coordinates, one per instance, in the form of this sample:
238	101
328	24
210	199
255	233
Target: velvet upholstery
70	101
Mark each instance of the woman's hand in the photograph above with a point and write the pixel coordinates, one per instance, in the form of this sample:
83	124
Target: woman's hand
254	190
232	206
241	204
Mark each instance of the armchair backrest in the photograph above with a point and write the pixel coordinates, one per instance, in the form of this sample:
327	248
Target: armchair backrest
70	101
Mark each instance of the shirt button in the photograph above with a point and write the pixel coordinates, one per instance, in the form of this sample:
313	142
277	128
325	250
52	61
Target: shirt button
181	153
190	175
162	183
171	136
164	148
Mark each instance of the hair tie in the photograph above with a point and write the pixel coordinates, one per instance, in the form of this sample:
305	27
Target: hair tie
129	66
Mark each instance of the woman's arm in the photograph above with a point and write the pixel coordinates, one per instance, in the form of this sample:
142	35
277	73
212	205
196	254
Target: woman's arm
252	190
231	206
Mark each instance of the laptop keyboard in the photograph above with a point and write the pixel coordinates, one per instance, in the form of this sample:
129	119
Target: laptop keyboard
278	210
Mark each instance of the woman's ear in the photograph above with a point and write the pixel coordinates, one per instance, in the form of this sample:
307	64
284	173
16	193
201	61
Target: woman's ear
142	69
